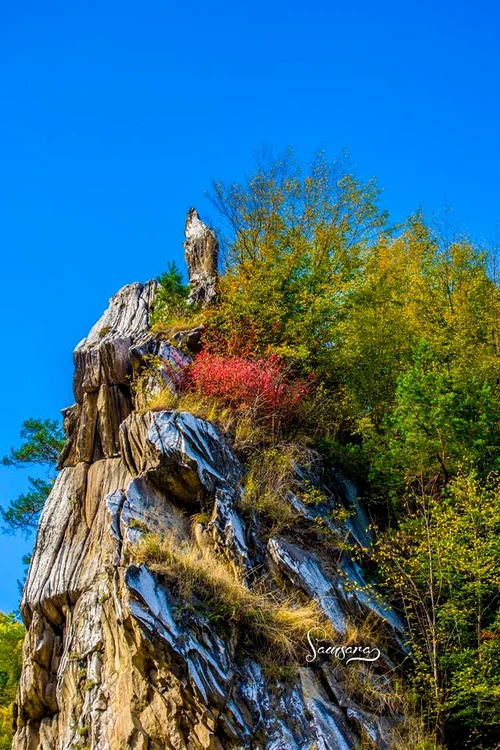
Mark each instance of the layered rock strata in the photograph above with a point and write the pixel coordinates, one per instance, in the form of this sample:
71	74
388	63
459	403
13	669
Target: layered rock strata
202	251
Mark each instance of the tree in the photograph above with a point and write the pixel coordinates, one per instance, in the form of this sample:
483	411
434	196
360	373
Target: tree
444	563
415	286
294	247
440	422
43	440
171	297
11	640
400	328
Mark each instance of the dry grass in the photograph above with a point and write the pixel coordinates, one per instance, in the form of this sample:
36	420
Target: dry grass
163	401
386	695
270	479
276	629
371	629
412	735
272	627
375	692
260	617
174	325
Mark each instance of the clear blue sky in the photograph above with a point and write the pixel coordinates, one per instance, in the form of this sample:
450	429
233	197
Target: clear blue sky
117	115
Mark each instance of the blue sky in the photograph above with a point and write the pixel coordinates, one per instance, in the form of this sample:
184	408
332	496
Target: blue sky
116	116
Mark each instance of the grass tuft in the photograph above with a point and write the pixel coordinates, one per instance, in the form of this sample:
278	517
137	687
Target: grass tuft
261	618
174	325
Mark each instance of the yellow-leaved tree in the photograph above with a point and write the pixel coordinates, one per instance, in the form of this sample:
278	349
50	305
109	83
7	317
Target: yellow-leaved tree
11	641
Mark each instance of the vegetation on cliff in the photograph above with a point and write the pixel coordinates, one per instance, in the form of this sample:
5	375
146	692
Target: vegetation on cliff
280	624
11	641
392	336
43	440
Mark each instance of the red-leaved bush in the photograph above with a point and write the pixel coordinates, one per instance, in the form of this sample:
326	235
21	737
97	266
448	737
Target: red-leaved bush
248	384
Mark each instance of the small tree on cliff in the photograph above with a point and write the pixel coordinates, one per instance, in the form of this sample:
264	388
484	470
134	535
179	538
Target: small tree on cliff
42	442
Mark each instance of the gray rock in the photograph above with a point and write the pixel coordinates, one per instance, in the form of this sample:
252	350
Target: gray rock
201	250
103	356
190	339
164	362
102	380
305	572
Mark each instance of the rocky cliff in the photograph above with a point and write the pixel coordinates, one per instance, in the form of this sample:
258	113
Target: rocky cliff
116	655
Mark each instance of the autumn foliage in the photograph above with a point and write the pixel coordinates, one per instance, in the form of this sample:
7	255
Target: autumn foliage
258	385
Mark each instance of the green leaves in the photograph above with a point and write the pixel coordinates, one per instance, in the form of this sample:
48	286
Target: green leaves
43	441
444	563
402	330
171	296
295	243
11	640
23	513
440	422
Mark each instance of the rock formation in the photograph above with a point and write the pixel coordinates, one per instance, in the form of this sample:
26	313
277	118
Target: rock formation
202	251
109	663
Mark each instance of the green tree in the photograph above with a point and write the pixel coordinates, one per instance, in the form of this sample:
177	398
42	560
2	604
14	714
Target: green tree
415	286
440	421
401	329
444	563
294	248
11	640
171	297
43	440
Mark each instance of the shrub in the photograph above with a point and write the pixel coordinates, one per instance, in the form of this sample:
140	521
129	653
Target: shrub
269	480
444	563
171	297
295	241
256	385
11	641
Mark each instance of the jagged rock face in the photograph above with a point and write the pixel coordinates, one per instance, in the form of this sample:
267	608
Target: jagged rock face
201	251
102	377
108	664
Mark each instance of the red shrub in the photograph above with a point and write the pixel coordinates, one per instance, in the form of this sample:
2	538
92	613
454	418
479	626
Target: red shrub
260	385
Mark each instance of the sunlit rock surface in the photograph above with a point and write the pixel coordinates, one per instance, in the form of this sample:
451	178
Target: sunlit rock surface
202	250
